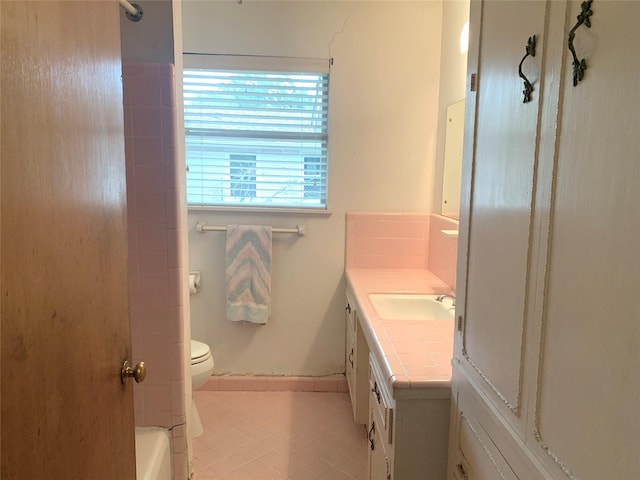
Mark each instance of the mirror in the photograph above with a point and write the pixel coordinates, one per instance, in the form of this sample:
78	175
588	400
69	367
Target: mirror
454	136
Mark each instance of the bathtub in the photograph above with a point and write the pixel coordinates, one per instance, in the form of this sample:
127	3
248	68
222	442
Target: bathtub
153	453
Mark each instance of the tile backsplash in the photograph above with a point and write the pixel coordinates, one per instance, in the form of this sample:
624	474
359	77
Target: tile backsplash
387	240
402	241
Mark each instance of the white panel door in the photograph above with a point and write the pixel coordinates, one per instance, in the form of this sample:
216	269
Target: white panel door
586	421
501	196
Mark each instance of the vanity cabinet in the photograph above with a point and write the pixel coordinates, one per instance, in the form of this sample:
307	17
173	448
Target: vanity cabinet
407	428
545	381
407	434
356	362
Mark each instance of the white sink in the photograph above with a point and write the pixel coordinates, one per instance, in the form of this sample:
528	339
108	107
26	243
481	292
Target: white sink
408	306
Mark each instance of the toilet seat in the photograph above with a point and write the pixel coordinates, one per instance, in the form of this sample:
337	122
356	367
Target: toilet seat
200	352
201	364
201	370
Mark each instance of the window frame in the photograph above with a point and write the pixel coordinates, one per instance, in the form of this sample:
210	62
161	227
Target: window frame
301	202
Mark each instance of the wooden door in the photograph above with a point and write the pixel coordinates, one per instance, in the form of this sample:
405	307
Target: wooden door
64	311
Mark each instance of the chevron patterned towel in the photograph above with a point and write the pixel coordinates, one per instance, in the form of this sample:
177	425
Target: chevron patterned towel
248	273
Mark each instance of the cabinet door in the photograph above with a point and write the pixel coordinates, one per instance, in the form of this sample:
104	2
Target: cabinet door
588	383
498	194
379	461
570	359
350	367
356	363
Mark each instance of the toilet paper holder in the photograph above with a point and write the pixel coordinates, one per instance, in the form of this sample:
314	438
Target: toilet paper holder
194	282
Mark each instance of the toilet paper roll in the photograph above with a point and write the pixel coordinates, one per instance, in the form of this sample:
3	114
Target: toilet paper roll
193	283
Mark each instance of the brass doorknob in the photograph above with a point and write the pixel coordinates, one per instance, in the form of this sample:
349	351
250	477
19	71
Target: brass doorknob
139	372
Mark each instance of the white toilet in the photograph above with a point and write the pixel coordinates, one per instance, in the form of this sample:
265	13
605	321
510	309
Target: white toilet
201	370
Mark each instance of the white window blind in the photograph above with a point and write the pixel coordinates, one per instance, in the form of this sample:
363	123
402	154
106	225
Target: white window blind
256	137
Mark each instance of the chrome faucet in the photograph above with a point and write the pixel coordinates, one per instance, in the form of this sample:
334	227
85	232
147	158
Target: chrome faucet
440	298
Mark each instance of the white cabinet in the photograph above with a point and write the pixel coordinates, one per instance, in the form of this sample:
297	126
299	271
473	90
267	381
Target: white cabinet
503	185
407	428
379	462
356	362
546	359
380	449
407	434
380	426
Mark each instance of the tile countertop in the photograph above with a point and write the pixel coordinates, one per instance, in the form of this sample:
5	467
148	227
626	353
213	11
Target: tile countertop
412	354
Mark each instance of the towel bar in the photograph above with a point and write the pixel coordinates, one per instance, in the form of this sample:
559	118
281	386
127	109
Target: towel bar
202	227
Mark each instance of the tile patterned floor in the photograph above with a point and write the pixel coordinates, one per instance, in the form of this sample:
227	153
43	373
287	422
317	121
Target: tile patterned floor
278	436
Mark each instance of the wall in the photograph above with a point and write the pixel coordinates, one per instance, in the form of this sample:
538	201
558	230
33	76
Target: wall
453	72
156	256
151	38
382	137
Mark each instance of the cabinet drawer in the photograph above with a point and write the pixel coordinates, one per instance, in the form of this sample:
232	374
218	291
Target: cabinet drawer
380	402
484	439
478	456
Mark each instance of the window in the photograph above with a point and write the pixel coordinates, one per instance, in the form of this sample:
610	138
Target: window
256	131
242	175
313	177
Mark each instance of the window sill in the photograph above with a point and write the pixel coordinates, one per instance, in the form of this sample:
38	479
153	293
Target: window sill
248	210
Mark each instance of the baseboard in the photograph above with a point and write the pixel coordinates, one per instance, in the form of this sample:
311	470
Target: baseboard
333	383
